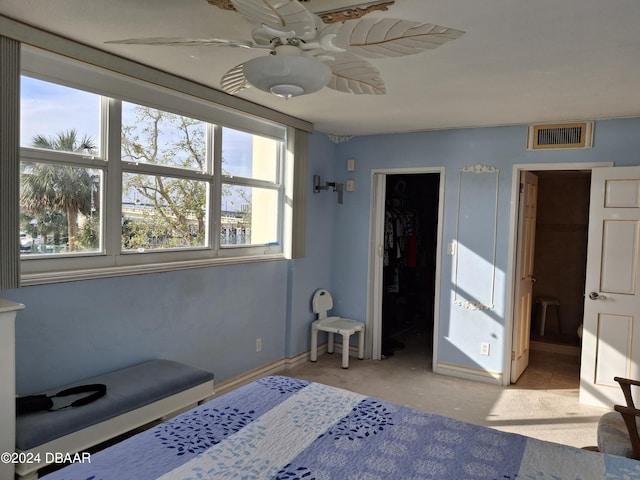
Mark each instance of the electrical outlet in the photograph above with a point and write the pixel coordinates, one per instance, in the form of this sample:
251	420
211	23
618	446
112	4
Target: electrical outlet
258	344
485	348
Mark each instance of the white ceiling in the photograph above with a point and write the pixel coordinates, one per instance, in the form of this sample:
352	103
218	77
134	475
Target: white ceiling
520	61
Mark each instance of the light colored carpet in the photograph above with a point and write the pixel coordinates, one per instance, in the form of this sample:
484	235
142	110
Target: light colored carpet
543	403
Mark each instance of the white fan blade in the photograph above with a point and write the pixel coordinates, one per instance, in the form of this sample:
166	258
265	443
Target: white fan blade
352	74
392	37
327	35
186	42
281	15
234	80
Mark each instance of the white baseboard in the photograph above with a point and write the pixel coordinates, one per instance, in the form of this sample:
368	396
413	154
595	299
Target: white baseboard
462	371
272	368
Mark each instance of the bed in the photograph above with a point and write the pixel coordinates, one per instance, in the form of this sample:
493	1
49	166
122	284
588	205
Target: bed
289	429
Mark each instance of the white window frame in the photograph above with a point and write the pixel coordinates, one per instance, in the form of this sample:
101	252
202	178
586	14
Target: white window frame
111	261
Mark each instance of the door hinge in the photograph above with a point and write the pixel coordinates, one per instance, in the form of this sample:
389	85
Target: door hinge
521	187
513	355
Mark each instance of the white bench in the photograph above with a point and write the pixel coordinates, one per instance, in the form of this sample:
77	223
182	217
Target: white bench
136	396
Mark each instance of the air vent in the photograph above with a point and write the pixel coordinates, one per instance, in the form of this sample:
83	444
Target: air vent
560	135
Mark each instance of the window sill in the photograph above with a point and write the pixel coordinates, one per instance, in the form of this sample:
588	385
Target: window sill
121	271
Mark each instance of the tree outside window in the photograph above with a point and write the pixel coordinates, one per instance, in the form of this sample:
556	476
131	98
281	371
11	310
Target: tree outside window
52	193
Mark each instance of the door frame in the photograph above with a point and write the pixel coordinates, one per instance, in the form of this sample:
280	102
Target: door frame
511	304
373	339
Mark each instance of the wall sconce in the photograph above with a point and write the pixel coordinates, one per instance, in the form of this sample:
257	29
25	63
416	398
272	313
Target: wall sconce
329	186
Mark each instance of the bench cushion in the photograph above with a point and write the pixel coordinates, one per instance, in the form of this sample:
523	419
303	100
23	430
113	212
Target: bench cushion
127	390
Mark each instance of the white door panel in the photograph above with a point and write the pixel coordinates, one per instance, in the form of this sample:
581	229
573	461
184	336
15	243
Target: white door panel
613	349
373	330
622	193
611	341
527	212
619	256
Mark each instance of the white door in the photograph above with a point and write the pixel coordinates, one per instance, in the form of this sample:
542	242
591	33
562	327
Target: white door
527	208
373	331
611	333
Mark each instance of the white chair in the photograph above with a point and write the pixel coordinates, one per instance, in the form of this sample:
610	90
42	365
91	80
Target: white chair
322	302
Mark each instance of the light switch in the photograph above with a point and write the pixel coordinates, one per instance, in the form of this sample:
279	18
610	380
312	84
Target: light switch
350	186
351	165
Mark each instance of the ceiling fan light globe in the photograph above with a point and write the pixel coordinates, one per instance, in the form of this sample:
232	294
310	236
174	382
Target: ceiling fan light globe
287	76
286	91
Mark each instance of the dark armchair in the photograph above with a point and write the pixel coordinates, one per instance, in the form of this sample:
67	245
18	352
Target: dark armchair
618	430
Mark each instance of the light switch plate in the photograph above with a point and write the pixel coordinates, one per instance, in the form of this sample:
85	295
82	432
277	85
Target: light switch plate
351	165
350	185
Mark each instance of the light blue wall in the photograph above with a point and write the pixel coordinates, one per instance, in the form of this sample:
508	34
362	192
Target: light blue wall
314	270
460	330
211	317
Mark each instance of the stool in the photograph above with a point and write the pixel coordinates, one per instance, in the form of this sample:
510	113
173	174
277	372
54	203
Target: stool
544	303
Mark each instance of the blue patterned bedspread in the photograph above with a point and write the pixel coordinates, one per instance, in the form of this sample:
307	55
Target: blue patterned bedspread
288	429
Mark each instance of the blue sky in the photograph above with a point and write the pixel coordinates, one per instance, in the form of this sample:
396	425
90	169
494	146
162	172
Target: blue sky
49	109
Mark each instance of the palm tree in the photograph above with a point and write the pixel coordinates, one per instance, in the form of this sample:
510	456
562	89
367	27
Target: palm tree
67	141
59	187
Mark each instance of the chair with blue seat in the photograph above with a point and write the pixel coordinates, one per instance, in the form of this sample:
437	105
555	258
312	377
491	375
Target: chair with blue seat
322	302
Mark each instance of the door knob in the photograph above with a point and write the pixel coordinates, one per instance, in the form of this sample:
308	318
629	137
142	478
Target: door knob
596	296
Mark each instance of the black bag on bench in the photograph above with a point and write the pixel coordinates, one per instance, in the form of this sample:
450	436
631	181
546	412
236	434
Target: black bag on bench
36	403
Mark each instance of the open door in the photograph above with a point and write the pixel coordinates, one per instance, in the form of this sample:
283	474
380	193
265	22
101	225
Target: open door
524	273
374	329
611	331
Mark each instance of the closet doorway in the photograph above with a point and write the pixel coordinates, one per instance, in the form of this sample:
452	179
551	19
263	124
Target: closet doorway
407	225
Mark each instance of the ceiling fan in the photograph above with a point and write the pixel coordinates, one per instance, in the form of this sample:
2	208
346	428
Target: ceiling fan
306	54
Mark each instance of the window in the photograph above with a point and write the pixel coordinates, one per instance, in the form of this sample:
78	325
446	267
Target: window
70	109
250	189
165	202
60	184
138	175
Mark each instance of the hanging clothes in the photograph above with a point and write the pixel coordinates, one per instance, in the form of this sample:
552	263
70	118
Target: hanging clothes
400	244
